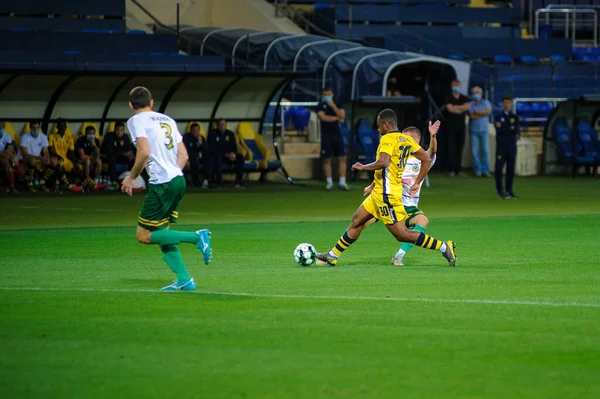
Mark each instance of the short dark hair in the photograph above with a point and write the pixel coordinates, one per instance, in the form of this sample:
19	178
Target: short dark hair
34	122
388	115
221	120
193	125
119	124
88	128
455	81
326	89
507	98
412	129
140	97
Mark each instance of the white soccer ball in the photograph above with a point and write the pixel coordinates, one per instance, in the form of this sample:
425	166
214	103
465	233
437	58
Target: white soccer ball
305	254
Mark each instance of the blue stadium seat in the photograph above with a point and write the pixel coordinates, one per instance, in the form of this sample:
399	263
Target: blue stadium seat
557	58
524	110
455	57
136	32
503	59
563	138
300	117
157	54
541	109
587	143
367	140
529	59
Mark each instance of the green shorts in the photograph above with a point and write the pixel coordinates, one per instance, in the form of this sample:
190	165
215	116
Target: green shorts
161	205
411	211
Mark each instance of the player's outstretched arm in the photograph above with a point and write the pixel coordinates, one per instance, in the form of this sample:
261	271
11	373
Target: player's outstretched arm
382	162
433	131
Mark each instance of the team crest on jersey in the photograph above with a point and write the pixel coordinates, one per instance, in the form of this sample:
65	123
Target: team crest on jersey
512	120
227	138
415	168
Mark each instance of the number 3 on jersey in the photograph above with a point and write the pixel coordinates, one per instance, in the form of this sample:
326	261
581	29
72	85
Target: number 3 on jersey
403	158
168	134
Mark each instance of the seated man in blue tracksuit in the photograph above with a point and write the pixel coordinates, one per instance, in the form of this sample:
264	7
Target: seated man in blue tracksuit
507	134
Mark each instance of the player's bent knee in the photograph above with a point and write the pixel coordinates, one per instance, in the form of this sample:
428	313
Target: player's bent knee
420	220
143	235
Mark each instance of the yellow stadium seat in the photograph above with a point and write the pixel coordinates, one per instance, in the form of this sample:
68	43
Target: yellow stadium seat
8	128
253	143
202	131
85	125
111	127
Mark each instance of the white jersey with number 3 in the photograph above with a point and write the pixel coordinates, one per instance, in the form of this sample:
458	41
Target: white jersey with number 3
409	176
163	139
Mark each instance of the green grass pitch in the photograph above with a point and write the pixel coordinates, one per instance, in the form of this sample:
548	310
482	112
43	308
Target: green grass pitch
519	317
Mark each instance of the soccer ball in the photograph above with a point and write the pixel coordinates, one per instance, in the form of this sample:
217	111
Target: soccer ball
305	254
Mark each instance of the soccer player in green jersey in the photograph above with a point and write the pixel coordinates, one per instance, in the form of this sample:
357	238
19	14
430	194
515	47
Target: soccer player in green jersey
161	151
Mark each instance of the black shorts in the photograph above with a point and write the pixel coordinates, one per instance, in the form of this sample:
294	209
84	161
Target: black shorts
332	145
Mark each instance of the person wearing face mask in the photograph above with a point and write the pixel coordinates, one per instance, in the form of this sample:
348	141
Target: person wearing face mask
479	130
332	142
34	155
457	105
88	153
8	158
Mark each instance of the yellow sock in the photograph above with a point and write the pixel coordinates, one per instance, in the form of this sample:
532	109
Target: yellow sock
428	242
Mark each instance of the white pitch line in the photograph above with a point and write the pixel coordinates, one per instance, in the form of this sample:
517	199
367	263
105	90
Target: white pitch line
343	297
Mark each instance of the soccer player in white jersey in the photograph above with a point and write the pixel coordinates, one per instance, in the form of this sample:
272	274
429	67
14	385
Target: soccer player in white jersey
161	151
416	220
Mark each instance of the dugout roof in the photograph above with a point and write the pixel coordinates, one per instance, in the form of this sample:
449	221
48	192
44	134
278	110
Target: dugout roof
353	70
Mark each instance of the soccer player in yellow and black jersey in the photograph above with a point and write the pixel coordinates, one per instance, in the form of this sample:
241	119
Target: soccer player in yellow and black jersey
385	201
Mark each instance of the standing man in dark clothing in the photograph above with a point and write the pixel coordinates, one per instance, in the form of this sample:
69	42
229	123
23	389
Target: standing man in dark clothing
457	105
507	134
332	142
116	150
222	148
196	148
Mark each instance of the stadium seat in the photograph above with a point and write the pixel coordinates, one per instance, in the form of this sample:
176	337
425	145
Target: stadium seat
300	117
367	139
259	151
557	58
587	143
529	59
8	128
562	135
136	32
503	59
202	130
